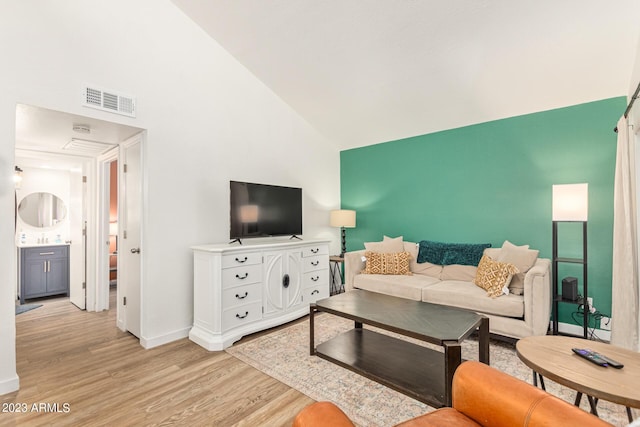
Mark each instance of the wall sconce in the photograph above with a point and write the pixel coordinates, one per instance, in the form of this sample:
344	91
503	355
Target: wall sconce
17	177
343	218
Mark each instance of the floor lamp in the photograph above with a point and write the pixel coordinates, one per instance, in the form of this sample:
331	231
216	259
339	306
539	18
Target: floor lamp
570	204
343	218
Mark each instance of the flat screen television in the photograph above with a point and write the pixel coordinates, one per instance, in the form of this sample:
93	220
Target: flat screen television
260	210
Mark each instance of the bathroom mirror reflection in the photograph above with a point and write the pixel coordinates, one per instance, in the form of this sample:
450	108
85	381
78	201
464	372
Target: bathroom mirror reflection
42	210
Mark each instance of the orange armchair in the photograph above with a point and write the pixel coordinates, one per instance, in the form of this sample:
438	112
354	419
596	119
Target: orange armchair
482	396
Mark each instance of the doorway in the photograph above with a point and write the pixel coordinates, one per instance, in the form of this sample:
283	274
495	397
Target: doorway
49	140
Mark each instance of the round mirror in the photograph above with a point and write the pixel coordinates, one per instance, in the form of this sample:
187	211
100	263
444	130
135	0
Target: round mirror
42	210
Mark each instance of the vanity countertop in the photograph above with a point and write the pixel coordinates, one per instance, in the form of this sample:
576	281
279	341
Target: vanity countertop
40	245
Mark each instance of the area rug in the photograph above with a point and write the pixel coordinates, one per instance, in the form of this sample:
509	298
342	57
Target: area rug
26	307
284	355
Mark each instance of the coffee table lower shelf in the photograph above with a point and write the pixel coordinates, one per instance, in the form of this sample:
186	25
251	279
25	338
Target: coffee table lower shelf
413	370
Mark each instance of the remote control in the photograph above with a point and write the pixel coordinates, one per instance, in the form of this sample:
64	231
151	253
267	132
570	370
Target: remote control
610	362
590	356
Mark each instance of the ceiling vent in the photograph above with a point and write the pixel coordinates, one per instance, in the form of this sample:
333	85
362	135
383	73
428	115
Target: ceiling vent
108	100
86	147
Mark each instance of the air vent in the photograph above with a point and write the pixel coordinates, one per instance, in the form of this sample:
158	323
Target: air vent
108	100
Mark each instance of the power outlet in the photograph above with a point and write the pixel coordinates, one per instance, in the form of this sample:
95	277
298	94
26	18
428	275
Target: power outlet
605	323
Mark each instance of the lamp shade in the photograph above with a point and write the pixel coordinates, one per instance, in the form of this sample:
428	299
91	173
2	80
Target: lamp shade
113	228
343	218
570	202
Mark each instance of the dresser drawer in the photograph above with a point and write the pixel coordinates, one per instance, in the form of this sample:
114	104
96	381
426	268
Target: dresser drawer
241	315
241	259
240	295
318	262
315	278
315	250
315	293
241	275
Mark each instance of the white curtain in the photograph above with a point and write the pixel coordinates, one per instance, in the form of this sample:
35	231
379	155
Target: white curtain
625	314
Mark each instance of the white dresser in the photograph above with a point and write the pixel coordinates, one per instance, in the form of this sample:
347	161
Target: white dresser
241	289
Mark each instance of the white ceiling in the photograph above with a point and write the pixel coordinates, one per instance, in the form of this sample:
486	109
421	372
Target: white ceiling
369	71
43	137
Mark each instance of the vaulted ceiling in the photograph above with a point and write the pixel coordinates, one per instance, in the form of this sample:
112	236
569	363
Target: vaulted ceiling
369	71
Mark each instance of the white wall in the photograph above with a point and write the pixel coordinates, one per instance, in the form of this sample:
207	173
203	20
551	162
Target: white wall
208	120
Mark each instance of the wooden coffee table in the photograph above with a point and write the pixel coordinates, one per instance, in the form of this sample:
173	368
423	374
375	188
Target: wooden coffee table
417	371
551	357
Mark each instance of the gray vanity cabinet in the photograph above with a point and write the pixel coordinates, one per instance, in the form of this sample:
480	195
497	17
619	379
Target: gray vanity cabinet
44	271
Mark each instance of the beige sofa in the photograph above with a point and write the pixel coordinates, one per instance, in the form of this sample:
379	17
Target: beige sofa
511	315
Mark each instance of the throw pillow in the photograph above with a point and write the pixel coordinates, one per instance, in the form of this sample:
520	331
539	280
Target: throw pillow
494	276
387	263
451	253
520	256
387	246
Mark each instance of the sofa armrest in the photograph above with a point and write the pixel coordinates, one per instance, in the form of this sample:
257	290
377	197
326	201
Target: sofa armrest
537	296
513	402
353	264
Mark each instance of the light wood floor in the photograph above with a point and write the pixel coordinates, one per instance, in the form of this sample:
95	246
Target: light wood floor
99	375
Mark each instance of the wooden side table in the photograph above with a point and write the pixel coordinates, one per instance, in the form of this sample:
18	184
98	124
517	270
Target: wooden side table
335	269
552	357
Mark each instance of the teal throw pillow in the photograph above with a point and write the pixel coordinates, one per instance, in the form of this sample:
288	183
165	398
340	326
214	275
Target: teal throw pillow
451	253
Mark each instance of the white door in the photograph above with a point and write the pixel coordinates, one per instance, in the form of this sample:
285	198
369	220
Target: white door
77	243
129	236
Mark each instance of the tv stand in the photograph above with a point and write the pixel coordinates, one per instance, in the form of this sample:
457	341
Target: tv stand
239	290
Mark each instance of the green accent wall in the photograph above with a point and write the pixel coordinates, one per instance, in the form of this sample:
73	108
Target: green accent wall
491	182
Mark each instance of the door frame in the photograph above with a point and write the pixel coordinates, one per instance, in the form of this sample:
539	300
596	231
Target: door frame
102	228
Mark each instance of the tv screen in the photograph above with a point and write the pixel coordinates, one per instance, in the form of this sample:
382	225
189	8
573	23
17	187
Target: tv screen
260	210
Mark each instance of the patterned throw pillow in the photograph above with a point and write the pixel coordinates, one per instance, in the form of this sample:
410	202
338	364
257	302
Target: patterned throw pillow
391	263
494	276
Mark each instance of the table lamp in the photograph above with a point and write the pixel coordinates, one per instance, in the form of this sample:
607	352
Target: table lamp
343	218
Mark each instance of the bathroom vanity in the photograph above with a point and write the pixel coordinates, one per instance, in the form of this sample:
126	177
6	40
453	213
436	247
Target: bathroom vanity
44	271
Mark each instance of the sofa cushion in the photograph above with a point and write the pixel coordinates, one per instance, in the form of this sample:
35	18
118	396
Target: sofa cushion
425	268
457	293
451	253
458	272
387	246
410	287
494	276
520	256
392	263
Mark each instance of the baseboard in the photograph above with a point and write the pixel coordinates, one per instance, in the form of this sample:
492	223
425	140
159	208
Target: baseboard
164	339
9	385
568	328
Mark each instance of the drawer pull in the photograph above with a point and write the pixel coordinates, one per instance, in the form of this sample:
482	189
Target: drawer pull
246	294
285	281
246	313
315	263
315	251
315	291
47	253
243	277
315	279
241	260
